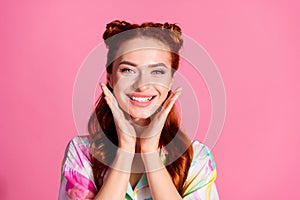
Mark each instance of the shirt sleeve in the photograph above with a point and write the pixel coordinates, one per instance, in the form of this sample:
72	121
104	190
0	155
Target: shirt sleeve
200	182
76	172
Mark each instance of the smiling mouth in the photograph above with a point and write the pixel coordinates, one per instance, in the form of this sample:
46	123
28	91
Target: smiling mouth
141	99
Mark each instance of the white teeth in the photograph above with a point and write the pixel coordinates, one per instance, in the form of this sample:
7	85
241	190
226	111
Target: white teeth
141	99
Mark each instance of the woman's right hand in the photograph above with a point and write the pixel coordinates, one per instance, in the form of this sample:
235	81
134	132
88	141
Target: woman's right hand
125	130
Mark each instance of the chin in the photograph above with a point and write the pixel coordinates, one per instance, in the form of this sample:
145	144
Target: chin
142	113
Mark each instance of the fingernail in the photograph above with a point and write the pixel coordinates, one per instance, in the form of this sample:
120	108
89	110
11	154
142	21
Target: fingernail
179	90
178	93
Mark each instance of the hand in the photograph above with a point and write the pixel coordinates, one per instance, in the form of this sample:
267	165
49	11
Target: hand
151	134
125	130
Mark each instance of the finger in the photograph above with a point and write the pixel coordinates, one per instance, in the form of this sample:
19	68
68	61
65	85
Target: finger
107	92
108	96
119	118
111	101
173	97
167	106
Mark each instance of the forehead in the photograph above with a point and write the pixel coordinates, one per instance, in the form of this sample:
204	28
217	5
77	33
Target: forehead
146	57
140	45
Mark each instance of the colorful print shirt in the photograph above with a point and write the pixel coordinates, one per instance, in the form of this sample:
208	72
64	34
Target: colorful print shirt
77	181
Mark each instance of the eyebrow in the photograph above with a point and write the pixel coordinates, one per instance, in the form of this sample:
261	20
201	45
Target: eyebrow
135	65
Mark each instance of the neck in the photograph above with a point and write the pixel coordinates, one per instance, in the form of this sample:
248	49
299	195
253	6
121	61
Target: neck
141	122
138	146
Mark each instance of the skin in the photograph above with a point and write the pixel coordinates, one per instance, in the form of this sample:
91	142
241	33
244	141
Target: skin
139	127
141	72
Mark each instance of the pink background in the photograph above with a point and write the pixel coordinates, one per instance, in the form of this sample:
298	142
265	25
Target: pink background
254	43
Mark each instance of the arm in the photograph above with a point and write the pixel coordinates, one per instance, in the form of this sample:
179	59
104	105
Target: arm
200	182
119	175
162	189
77	180
115	185
202	174
160	182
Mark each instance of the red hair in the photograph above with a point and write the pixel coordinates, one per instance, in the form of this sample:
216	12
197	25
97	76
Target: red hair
101	124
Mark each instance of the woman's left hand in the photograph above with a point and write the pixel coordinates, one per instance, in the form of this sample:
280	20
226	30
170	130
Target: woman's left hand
150	136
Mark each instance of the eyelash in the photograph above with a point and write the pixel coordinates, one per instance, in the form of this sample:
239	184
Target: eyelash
158	72
127	70
155	72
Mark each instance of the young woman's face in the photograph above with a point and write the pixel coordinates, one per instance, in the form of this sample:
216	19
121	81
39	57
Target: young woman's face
141	79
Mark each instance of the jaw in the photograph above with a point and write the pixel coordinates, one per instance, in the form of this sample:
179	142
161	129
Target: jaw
142	113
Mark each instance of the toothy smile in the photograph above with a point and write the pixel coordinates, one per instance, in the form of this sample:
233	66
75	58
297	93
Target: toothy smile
141	99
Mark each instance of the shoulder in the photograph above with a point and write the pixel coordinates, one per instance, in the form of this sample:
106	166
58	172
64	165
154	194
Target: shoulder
76	172
80	140
203	160
81	143
202	172
77	153
202	153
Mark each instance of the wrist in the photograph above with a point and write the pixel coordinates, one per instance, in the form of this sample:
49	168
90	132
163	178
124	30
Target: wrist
123	160
127	146
149	146
152	161
149	150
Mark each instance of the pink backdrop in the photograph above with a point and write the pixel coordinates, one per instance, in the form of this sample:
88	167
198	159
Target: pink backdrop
255	45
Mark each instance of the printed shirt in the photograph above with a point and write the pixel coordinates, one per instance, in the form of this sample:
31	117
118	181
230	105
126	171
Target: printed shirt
77	180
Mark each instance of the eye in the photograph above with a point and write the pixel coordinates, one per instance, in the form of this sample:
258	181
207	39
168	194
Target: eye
156	72
127	71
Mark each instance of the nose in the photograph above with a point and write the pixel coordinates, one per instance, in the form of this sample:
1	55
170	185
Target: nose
142	82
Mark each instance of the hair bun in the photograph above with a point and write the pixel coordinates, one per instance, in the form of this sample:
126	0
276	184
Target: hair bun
170	33
174	33
172	27
115	27
117	23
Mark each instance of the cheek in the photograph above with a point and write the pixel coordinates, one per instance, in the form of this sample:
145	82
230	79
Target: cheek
120	88
118	82
122	85
164	94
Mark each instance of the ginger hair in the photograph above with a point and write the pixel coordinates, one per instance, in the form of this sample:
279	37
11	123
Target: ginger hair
101	123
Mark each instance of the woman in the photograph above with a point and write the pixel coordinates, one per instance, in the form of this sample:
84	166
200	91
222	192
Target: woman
136	149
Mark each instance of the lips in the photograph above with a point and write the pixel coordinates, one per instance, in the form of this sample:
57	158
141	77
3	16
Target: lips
141	100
